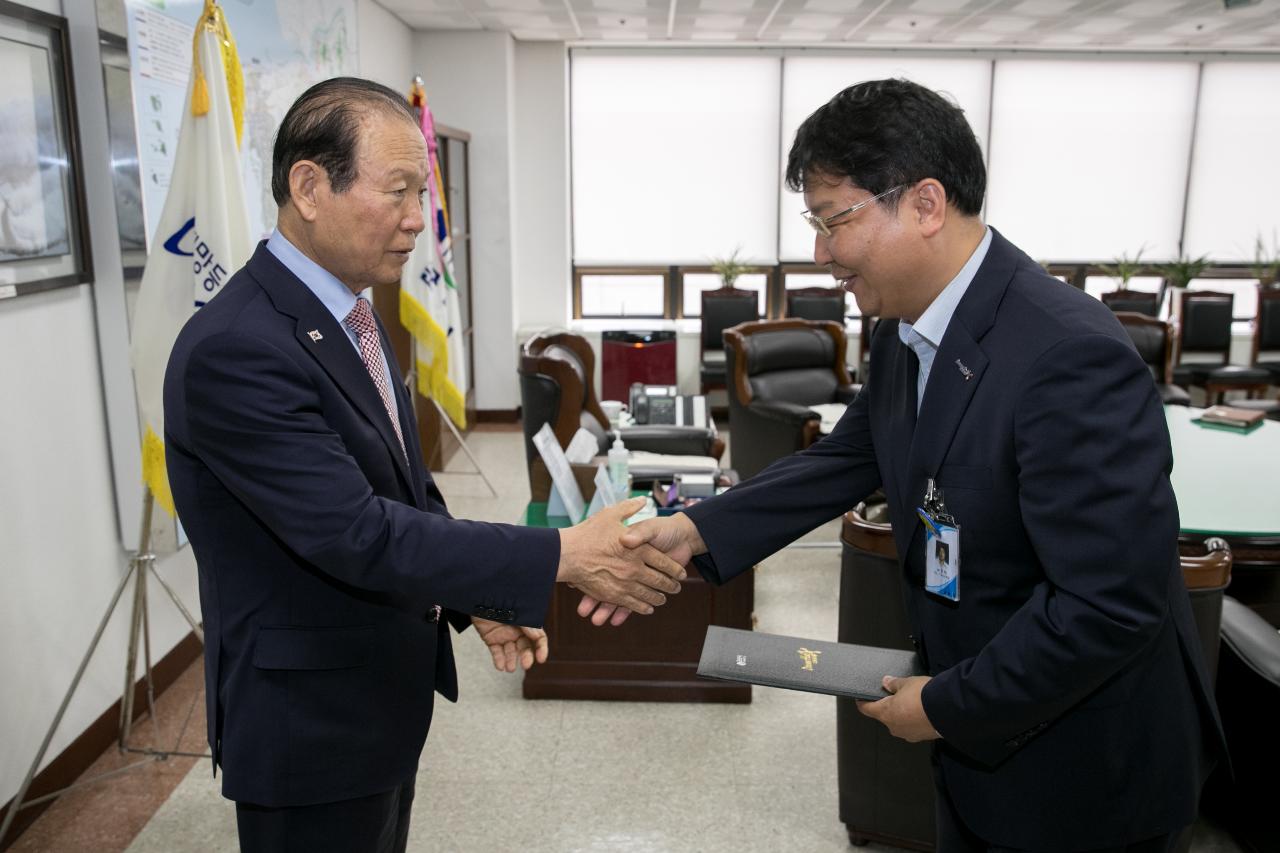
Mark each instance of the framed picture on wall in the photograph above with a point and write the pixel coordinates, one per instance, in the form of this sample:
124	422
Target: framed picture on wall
43	238
125	179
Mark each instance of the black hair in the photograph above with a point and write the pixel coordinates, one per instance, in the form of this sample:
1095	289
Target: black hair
883	133
323	125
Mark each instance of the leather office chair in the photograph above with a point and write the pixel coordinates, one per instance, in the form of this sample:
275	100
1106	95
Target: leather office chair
1206	328
886	784
1154	340
816	303
1137	301
1248	694
1266	332
777	370
557	386
868	328
721	309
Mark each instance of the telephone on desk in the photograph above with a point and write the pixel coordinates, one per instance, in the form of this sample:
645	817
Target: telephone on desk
660	404
653	404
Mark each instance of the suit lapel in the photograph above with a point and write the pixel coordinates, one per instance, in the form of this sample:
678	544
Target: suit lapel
957	371
902	422
408	421
320	335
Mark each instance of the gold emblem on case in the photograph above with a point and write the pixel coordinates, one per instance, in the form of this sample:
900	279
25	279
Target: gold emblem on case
809	657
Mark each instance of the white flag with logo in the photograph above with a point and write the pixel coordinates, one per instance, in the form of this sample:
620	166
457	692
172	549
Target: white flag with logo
429	306
203	233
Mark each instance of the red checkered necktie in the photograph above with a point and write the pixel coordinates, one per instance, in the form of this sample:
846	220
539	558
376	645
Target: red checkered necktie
361	321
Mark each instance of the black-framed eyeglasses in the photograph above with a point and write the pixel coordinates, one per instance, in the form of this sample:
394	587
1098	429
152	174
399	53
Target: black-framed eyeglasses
822	224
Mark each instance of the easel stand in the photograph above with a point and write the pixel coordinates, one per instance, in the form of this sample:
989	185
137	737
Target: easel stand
467	450
142	564
447	421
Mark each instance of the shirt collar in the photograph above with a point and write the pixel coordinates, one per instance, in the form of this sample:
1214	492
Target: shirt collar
335	295
933	323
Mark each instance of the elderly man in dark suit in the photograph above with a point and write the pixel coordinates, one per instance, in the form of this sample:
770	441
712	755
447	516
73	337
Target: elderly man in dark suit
329	567
1066	693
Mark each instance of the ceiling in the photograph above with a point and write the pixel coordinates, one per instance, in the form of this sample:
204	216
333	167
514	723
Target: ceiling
1138	25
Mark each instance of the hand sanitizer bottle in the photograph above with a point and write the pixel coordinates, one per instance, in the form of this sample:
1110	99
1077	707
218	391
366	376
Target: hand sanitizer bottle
618	469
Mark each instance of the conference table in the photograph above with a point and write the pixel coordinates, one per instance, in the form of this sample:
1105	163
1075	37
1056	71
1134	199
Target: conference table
1227	482
1228	485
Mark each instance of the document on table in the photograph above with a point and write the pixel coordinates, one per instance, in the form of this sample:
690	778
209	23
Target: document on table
564	488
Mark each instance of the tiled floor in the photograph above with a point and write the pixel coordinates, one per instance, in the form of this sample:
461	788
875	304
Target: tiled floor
502	773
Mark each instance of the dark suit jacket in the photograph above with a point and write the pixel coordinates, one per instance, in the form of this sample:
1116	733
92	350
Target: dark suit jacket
320	549
1068	682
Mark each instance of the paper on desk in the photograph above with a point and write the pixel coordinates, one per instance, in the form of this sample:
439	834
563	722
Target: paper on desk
830	414
583	447
564	489
605	495
691	464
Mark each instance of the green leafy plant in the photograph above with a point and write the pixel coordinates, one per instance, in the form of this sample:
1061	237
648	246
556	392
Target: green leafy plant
1125	268
1266	260
1179	273
731	267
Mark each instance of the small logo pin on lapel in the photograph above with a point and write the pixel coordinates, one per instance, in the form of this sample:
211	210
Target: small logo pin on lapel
964	371
315	335
742	660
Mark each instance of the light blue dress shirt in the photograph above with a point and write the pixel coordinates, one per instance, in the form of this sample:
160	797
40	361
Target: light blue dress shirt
925	335
335	295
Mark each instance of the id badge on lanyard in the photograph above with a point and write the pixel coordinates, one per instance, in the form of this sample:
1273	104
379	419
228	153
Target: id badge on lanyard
941	546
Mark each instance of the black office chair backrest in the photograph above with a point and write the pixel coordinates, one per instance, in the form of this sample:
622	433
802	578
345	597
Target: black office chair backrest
556	388
816	303
1150	337
1206	321
723	309
792	365
1136	301
1268	318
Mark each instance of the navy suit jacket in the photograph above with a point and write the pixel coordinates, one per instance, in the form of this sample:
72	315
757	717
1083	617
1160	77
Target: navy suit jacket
321	550
1068	683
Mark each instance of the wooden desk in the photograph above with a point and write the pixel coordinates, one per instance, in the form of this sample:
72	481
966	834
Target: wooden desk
648	658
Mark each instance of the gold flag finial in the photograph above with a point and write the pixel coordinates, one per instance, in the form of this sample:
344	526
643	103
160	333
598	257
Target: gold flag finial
212	18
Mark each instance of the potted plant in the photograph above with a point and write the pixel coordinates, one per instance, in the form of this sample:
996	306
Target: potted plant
1124	268
1178	274
731	267
1266	261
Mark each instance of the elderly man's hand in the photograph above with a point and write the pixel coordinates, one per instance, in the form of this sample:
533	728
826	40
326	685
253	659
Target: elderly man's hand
512	645
594	560
676	535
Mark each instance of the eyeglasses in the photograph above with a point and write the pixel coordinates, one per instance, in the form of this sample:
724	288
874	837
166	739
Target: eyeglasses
822	224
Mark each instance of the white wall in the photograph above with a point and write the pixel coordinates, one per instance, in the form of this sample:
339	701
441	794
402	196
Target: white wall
385	46
540	141
470	85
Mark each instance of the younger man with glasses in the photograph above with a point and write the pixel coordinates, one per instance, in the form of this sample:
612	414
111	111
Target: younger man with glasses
1008	415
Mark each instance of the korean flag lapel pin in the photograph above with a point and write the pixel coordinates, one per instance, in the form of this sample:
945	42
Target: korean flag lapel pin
315	335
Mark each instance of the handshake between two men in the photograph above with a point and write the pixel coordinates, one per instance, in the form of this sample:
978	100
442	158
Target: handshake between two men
624	569
618	569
